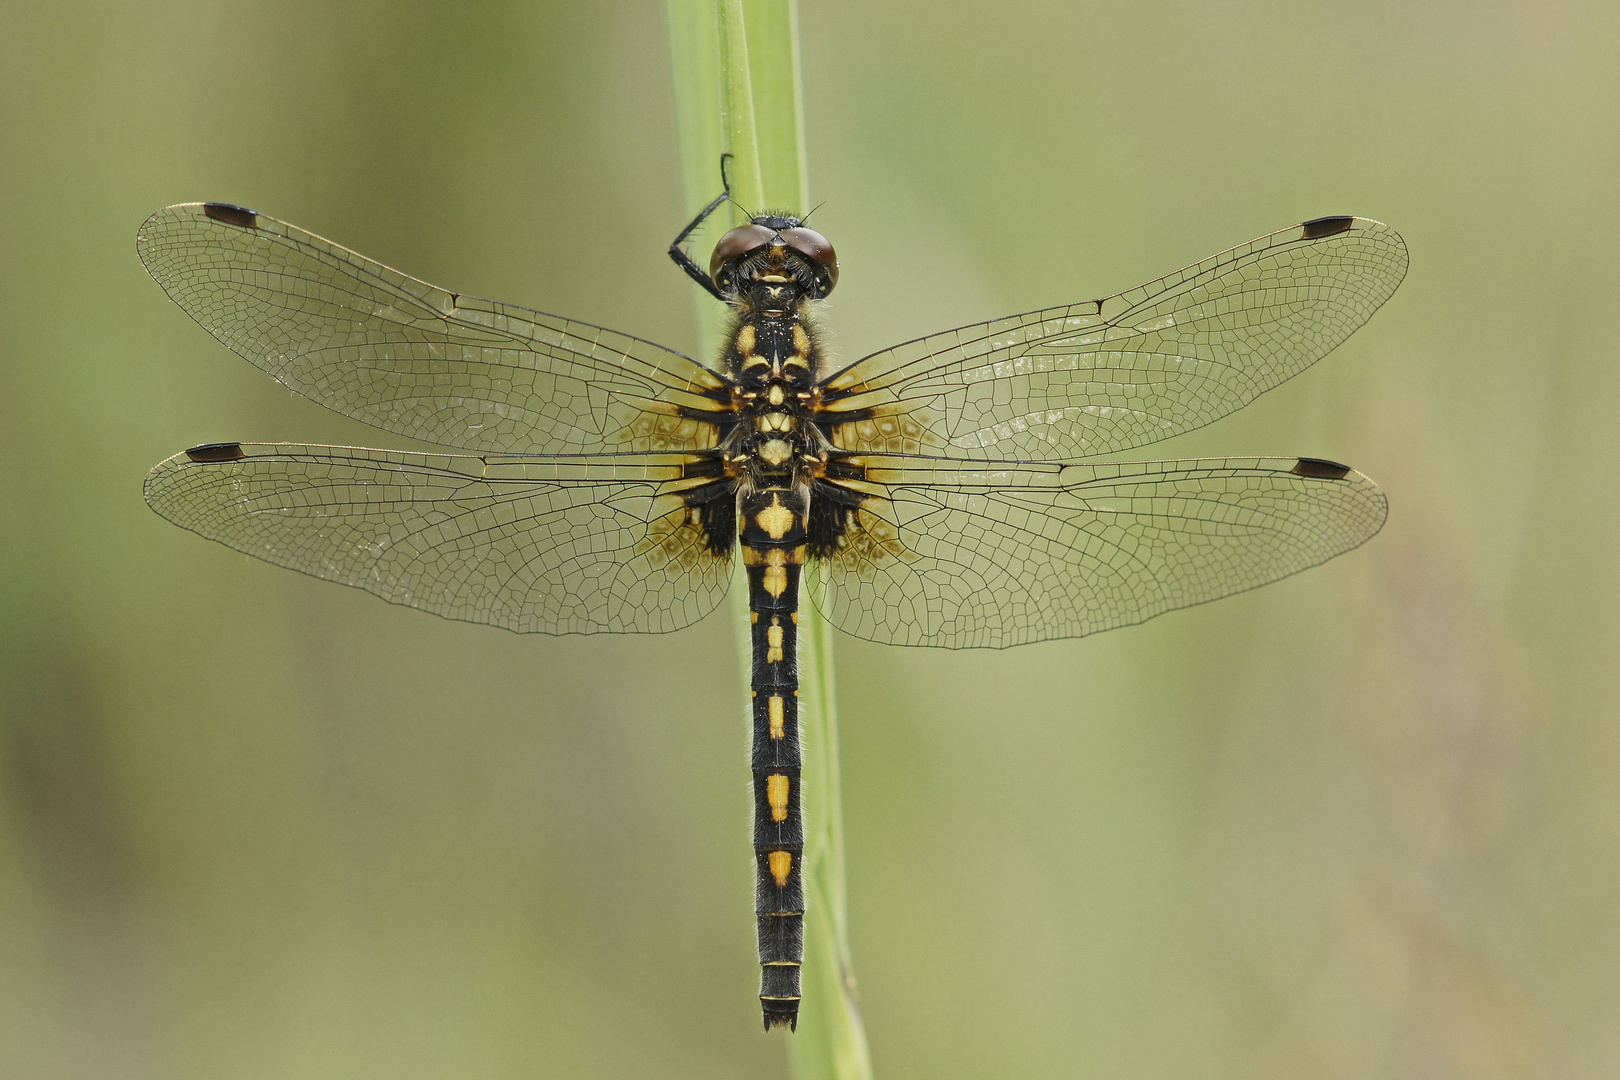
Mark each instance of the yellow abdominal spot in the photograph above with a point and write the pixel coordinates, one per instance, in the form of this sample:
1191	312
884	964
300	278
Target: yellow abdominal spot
776	793
781	863
775	519
773	639
775	561
774	707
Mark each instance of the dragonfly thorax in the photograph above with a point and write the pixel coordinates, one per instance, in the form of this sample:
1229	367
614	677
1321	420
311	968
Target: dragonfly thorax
774	441
769	347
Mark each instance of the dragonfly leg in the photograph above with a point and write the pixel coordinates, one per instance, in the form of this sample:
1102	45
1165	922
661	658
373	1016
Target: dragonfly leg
678	253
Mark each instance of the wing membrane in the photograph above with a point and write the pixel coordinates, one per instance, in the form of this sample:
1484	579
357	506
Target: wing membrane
548	546
1143	365
967	557
414	359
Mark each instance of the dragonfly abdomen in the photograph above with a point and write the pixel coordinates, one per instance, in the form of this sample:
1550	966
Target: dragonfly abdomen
773	543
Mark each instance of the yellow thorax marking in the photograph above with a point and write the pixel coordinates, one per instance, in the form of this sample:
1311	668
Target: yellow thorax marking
745	341
778	722
776	395
776	421
781	863
773	641
801	348
775	451
776	793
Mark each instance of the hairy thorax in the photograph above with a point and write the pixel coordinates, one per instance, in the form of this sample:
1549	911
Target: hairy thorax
772	360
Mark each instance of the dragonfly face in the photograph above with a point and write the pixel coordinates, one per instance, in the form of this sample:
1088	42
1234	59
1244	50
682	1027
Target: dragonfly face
753	261
941	492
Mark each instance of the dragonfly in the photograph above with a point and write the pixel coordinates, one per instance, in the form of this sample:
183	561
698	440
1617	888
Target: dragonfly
959	490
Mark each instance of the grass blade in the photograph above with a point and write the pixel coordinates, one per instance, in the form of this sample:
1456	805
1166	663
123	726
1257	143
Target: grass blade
738	90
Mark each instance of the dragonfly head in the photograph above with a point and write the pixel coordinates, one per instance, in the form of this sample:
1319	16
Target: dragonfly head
779	246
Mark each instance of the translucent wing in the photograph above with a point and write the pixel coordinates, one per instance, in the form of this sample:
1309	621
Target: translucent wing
554	547
1163	358
967	557
411	358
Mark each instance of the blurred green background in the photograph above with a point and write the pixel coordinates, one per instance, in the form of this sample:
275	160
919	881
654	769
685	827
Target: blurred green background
1362	823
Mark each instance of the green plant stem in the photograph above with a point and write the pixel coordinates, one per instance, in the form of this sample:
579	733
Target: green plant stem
738	91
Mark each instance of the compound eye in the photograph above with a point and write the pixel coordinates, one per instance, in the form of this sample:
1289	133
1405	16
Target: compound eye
735	244
815	247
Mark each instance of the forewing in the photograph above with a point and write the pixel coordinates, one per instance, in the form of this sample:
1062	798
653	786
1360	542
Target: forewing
1106	375
414	359
963	557
553	547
